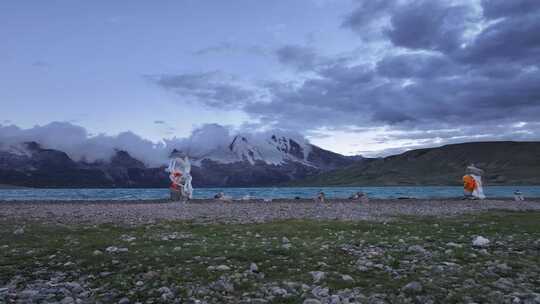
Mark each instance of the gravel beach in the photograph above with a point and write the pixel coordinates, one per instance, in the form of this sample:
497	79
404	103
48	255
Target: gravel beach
252	211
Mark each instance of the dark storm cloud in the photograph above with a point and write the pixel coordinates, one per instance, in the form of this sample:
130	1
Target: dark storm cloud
213	89
429	25
368	19
441	78
302	58
416	66
514	39
449	66
367	11
503	8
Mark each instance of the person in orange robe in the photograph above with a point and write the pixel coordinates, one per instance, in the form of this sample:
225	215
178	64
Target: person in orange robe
469	184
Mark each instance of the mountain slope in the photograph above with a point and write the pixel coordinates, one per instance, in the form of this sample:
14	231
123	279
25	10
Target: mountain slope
507	162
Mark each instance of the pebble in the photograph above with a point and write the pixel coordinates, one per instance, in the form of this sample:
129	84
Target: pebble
253	268
124	301
347	278
223	268
67	300
278	292
114	249
417	249
317	276
413	288
480	241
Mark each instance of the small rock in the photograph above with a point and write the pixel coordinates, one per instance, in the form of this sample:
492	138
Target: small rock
417	249
67	300
311	301
253	268
97	252
480	241
150	275
455	245
29	293
124	300
317	276
223	268
128	238
412	288
335	299
19	231
114	249
111	249
347	278
278	292
504	284
222	285
320	292
74	287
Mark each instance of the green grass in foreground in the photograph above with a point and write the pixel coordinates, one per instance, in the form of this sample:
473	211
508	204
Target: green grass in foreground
178	254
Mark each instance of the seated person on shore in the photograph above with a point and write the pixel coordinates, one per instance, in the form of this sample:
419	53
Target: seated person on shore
222	197
360	196
321	197
219	195
518	196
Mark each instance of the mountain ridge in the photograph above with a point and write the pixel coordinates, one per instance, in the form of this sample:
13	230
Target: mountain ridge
505	163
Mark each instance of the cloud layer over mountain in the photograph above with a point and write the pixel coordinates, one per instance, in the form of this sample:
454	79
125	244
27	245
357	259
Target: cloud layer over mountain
79	144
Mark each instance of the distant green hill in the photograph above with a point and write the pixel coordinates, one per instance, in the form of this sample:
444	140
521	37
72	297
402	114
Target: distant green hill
510	163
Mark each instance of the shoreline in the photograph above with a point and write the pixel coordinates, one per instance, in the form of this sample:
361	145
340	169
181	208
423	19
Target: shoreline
247	211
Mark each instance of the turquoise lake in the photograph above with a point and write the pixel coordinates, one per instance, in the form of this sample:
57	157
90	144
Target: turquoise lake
261	193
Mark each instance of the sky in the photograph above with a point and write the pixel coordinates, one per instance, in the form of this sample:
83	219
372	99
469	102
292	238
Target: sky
356	77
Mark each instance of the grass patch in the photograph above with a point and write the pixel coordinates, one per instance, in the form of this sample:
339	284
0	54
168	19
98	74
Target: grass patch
178	254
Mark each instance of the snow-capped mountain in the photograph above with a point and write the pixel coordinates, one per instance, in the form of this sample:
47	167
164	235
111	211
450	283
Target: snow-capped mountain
241	161
275	150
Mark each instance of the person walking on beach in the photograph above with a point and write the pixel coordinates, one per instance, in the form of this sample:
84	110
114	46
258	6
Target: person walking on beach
179	173
472	183
176	183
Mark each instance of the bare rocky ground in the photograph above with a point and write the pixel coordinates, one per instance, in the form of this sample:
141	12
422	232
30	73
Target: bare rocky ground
251	211
401	251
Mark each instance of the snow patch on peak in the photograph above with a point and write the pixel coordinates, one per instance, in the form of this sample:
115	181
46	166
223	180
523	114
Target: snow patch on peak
269	148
